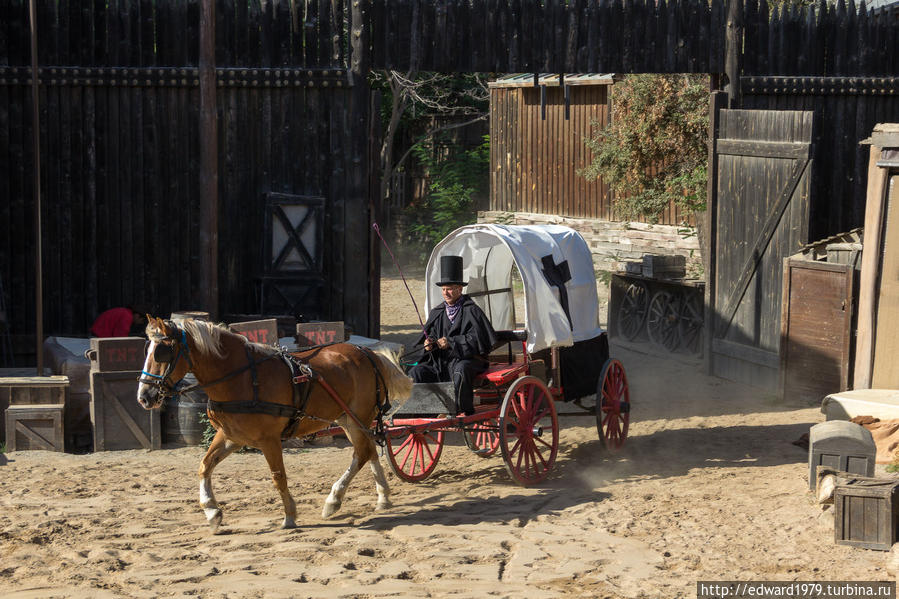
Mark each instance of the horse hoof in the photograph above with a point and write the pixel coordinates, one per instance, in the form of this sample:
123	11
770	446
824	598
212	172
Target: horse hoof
215	521
329	509
384	505
288	524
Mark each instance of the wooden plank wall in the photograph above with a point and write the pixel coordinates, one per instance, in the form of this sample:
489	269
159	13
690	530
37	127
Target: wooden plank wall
120	156
535	161
629	36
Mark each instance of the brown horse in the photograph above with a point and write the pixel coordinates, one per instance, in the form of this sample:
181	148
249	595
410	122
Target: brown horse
253	400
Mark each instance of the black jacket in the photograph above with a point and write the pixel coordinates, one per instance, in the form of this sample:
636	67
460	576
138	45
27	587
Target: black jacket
470	335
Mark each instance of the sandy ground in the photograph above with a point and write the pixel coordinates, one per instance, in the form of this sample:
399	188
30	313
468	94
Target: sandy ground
709	487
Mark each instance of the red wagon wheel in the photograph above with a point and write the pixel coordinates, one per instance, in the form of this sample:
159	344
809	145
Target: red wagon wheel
527	414
416	457
483	438
613	405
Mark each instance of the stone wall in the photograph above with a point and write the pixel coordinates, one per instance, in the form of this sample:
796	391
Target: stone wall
613	243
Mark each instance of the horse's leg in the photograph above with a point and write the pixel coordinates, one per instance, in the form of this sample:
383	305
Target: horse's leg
363	450
219	449
380	483
271	449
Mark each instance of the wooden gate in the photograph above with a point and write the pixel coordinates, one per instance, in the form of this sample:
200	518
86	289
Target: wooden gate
760	216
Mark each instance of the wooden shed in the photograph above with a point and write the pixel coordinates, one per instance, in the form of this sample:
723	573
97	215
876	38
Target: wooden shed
538	125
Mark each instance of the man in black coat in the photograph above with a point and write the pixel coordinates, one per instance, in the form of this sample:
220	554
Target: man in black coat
459	338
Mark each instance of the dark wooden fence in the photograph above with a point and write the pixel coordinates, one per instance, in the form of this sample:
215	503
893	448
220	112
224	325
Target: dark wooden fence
119	106
628	36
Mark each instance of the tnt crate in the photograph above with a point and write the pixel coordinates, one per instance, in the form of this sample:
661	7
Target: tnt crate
31	390
865	514
119	421
258	331
320	333
34	426
117	354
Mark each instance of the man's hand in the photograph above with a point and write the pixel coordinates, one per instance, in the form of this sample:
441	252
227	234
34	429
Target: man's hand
429	345
442	343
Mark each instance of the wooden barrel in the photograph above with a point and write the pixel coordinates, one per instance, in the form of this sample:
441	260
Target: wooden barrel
183	422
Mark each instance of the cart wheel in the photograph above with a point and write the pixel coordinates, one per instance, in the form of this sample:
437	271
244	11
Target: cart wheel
689	324
483	438
526	416
416	457
632	310
661	322
613	399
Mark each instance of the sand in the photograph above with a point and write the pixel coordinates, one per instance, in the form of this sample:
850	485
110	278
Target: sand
708	487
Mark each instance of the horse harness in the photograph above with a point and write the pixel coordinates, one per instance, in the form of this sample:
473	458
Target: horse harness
302	377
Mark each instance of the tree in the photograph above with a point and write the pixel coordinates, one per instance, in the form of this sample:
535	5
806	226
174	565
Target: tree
658	122
414	105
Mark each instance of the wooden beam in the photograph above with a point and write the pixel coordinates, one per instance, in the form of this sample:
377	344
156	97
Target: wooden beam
733	53
209	202
717	102
870	275
763	149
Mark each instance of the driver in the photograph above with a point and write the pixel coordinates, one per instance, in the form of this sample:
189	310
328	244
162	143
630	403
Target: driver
459	337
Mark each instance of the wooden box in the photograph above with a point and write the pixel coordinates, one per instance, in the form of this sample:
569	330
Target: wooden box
31	390
841	445
664	267
35	427
258	331
117	354
119	421
319	333
865	514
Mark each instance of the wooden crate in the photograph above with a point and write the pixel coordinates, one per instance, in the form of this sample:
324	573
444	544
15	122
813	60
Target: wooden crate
117	354
320	333
119	421
31	390
664	267
35	427
258	331
865	514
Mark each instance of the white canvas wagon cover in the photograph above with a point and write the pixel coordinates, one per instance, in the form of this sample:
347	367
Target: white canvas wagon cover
556	268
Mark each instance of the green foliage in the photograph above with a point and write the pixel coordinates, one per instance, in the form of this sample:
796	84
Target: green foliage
208	430
458	176
2	447
659	123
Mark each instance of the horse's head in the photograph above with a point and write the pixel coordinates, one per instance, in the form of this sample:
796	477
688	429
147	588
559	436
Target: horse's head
168	360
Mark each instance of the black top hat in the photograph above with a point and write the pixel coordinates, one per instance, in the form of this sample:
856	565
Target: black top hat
451	271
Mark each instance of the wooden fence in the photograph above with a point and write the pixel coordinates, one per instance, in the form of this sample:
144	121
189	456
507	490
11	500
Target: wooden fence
628	36
119	105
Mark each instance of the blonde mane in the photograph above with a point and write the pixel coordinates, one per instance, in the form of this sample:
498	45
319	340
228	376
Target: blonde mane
208	337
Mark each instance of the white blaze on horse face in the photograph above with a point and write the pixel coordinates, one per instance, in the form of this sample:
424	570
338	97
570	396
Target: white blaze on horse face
143	388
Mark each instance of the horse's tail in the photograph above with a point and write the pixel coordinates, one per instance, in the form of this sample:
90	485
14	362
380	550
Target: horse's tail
399	386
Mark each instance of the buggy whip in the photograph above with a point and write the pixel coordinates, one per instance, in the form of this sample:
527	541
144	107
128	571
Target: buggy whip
381	237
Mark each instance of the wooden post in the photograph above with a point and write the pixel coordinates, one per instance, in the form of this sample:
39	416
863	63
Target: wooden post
360	279
209	287
36	143
717	101
733	58
875	209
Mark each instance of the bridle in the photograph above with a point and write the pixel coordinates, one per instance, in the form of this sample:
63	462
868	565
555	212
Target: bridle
164	353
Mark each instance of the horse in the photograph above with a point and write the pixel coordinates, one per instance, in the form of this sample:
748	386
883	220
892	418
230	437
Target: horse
253	399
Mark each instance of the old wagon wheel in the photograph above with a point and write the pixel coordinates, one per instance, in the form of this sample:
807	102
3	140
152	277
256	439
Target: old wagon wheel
415	458
483	437
528	431
662	319
632	310
613	405
689	324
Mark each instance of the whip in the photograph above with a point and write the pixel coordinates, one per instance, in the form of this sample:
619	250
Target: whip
378	231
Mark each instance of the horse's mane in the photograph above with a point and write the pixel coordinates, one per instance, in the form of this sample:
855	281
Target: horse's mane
208	337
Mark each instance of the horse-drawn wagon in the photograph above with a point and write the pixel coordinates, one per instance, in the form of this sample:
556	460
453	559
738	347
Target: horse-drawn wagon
259	394
564	356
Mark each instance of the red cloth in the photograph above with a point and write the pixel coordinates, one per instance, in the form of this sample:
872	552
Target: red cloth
115	322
